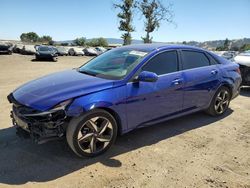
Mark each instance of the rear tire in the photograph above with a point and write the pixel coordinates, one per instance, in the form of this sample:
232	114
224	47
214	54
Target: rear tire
92	134
220	102
54	59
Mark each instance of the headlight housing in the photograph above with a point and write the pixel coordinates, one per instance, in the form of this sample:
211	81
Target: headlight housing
62	105
59	107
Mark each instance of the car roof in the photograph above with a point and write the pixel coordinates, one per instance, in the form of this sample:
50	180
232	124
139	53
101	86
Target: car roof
157	46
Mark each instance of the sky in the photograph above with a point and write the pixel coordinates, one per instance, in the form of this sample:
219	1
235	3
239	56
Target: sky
199	20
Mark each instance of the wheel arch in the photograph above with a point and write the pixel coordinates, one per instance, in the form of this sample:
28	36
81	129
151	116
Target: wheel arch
107	107
228	86
115	115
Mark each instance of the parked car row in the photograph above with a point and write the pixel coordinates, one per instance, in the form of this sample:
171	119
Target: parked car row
229	55
9	48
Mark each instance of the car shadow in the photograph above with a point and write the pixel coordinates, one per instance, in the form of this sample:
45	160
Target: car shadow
245	91
43	60
22	161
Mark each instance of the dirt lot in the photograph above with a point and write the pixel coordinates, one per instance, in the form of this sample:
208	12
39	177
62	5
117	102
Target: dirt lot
192	151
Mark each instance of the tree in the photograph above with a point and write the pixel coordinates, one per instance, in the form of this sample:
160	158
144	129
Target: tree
64	44
245	47
29	37
219	48
102	42
126	17
226	44
80	41
235	48
184	42
97	42
45	39
154	12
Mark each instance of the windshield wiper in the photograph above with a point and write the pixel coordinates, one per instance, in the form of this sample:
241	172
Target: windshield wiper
88	73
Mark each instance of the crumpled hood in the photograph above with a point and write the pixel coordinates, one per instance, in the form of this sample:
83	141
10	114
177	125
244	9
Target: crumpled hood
46	92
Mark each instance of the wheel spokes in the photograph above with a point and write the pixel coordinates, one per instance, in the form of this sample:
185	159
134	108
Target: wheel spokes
95	134
103	138
103	127
84	137
93	145
222	101
92	124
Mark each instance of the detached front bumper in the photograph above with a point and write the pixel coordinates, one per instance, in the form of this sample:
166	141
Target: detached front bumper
245	74
41	126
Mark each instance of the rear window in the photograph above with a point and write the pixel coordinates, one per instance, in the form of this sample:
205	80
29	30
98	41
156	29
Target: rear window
212	59
193	59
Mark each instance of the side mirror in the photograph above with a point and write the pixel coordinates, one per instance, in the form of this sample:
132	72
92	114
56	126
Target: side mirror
146	76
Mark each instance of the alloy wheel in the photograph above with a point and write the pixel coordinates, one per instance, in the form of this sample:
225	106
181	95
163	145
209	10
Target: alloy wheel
95	135
222	101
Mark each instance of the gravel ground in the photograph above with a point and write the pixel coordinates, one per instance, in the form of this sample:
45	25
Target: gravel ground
193	151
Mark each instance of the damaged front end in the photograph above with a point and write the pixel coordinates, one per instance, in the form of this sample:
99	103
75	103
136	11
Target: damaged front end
245	74
42	126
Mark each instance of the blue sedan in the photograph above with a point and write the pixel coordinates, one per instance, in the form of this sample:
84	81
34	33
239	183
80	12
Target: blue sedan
121	90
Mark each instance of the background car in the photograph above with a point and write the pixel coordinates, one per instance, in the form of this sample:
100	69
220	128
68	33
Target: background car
121	90
18	48
90	52
243	59
46	53
229	55
100	50
76	51
62	50
6	48
28	50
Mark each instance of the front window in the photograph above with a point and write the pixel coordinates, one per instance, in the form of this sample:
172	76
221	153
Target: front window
115	64
163	63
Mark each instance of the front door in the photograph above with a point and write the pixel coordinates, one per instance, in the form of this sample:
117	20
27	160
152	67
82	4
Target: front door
147	101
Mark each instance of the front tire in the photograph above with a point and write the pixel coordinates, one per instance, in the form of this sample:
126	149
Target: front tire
220	102
92	134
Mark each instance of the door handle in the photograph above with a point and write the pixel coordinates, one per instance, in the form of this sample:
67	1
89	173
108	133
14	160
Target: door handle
177	81
214	72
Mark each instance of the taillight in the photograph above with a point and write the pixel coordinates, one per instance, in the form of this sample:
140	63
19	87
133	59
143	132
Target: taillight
238	70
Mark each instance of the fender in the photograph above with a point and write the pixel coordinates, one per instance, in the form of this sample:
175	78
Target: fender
113	100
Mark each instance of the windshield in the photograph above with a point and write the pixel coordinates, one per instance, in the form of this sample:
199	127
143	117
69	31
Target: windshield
115	64
43	48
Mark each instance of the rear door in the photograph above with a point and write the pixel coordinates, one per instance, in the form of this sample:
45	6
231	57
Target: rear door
201	76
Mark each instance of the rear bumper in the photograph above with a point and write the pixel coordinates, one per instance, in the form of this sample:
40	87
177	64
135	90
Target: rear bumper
236	93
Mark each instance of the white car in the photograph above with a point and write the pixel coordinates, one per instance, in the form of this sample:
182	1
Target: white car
243	59
28	50
90	51
100	50
76	51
